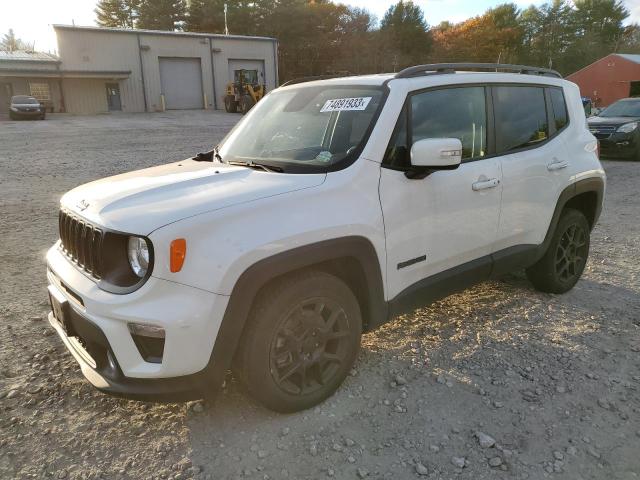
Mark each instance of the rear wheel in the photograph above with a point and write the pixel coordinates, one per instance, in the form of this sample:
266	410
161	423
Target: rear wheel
230	104
563	263
301	339
246	102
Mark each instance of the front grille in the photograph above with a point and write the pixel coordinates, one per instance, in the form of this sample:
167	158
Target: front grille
602	132
81	242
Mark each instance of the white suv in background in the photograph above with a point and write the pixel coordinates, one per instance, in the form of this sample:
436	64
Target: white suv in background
332	207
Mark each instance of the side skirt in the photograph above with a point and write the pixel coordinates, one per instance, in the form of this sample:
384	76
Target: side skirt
459	278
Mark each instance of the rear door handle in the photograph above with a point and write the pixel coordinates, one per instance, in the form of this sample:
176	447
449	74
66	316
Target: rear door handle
485	184
557	165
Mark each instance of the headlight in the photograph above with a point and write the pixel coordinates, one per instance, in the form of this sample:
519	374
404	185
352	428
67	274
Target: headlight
627	127
14	109
138	253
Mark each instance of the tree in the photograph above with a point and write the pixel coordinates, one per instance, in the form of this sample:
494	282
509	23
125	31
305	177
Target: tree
491	37
405	30
599	31
162	14
205	16
548	33
11	43
117	13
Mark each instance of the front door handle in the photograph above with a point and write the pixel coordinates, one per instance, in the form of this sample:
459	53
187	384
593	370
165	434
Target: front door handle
485	184
557	165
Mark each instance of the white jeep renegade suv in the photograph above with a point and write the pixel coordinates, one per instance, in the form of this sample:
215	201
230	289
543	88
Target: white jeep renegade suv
333	206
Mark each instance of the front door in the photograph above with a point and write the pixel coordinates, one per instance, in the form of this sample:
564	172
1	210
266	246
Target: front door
450	218
113	97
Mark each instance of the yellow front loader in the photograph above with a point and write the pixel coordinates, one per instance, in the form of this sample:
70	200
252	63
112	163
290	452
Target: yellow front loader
244	92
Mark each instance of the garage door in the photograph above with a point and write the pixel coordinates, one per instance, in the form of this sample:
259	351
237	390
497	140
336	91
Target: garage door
181	82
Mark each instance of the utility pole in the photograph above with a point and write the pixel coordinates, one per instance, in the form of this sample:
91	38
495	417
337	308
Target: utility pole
226	28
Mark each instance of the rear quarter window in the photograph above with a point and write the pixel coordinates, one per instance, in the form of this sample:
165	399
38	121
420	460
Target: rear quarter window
558	107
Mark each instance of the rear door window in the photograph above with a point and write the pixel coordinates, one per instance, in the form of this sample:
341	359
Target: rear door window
520	117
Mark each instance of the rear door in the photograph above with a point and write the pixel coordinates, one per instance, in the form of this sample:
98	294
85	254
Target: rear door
533	157
449	218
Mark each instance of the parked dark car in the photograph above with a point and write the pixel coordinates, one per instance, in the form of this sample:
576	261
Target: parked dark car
616	127
24	106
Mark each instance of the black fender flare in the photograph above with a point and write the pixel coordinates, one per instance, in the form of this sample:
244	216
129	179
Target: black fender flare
591	184
255	277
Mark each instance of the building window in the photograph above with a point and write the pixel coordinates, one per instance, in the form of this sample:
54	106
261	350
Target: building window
40	91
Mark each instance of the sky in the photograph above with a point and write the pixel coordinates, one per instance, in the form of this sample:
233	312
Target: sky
32	19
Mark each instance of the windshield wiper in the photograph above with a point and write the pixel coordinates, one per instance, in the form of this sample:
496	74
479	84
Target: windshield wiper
257	166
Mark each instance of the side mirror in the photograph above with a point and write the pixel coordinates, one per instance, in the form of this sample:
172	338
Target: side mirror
433	154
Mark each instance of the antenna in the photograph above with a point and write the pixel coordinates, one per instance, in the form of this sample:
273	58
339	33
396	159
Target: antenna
226	28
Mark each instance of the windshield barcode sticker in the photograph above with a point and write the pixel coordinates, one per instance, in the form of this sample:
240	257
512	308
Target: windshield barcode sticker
345	104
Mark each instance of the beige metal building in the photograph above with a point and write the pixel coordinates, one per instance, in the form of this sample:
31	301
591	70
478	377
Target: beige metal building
108	69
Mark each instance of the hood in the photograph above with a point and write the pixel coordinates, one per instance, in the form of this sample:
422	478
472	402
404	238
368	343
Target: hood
145	200
611	120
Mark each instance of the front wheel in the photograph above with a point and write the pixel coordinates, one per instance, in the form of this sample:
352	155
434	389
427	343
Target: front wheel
301	339
563	263
246	103
230	104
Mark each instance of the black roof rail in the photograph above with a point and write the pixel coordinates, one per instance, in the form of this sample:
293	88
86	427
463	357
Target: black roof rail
436	68
312	78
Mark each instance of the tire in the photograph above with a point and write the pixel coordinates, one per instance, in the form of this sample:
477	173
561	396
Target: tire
290	358
246	102
230	104
562	265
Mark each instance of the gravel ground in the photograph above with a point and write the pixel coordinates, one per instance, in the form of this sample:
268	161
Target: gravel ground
498	382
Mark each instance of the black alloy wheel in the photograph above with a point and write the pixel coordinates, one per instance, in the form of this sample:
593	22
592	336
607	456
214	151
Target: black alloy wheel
301	339
309	347
571	253
566	257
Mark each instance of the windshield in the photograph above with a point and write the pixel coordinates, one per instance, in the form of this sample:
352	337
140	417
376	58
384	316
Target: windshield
24	100
305	126
624	108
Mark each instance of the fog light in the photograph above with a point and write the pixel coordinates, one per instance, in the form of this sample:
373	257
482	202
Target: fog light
149	340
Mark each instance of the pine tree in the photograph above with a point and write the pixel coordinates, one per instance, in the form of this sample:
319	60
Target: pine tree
117	13
205	16
162	14
11	43
407	33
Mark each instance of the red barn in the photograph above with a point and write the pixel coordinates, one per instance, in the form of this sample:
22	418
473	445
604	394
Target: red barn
609	79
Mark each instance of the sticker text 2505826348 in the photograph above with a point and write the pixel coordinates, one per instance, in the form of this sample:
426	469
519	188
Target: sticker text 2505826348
343	104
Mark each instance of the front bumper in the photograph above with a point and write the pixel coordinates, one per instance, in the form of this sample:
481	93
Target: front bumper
21	114
102	344
619	145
